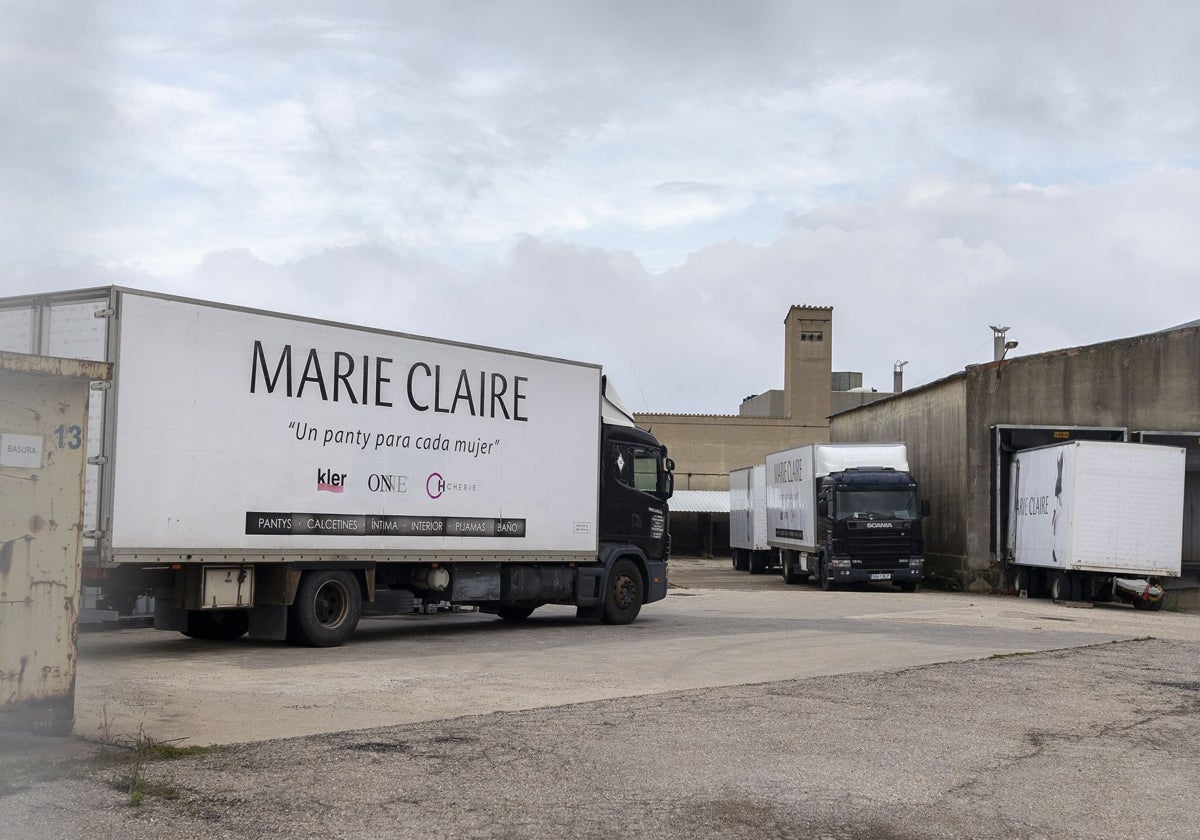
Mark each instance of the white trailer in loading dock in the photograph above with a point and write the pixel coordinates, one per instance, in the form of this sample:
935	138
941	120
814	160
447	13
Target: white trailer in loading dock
748	520
272	474
1093	520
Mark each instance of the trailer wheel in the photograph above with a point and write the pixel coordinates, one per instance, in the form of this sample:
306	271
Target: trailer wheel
623	598
1019	580
218	625
790	575
327	609
515	613
757	566
1063	587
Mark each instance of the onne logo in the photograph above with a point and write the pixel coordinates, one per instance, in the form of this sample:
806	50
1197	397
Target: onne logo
331	482
379	483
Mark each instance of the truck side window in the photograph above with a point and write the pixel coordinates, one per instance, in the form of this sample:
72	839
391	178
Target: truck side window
636	468
645	470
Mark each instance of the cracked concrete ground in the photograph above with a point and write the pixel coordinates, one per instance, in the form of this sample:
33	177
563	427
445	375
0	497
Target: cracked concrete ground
1095	741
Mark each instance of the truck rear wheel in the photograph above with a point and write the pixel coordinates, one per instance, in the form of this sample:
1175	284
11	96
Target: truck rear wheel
217	625
327	609
624	594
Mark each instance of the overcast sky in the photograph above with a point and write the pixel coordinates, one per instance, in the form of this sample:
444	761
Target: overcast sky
646	185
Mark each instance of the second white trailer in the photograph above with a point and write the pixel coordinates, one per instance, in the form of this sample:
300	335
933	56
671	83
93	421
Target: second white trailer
748	520
1091	519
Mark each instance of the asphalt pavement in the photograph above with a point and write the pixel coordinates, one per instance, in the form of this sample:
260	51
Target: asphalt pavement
1092	738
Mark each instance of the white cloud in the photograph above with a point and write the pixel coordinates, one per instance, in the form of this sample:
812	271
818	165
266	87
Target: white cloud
645	185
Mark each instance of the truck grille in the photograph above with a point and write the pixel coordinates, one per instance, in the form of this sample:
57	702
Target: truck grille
880	548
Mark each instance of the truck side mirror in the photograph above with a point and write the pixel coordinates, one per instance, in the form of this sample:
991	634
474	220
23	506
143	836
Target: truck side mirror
924	507
666	486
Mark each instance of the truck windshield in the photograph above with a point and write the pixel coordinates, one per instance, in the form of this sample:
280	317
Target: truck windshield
876	504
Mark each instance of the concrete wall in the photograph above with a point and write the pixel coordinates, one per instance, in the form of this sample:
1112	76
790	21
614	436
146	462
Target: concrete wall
932	423
1150	382
43	434
706	447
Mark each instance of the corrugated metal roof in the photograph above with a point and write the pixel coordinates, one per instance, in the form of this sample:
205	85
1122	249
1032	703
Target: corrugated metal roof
700	501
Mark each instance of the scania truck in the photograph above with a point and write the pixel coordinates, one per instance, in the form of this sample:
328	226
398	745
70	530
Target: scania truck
843	513
255	472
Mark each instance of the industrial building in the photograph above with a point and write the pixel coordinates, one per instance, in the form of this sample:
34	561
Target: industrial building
961	432
706	446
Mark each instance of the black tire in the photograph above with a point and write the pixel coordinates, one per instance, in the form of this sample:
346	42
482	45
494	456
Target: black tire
217	625
907	586
515	613
827	583
790	575
327	609
624	593
1060	587
757	566
1019	580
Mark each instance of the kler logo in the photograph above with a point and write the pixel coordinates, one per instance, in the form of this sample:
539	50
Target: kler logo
331	482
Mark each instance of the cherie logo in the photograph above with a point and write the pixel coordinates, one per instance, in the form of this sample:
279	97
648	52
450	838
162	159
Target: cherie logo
331	482
435	485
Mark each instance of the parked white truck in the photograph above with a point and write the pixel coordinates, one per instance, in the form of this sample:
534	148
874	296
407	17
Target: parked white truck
282	476
845	513
1091	520
748	521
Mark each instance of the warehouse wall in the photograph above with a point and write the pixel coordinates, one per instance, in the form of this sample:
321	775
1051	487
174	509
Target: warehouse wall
931	421
1149	382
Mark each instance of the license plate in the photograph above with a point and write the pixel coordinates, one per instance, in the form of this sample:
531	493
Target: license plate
883	576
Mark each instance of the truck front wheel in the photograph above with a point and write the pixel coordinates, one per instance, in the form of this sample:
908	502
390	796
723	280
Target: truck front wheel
327	609
624	595
827	582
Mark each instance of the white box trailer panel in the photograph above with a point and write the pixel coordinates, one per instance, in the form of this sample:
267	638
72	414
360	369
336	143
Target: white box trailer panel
249	431
791	521
1096	506
839	457
791	488
748	508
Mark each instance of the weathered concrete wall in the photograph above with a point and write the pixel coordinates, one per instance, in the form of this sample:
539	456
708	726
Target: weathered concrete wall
43	430
706	447
1149	383
931	422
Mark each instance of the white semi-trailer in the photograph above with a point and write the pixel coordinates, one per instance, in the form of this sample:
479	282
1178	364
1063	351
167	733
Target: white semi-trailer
845	513
1091	520
748	520
282	476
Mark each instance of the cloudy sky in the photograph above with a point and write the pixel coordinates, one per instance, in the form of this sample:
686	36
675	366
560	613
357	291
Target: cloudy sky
647	185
